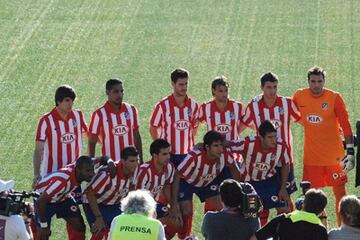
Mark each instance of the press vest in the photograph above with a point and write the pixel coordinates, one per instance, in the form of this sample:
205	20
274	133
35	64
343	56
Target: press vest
135	226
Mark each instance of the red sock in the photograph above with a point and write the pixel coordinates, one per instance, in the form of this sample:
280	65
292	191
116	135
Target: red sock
209	207
264	217
98	236
34	230
339	192
170	231
185	231
74	234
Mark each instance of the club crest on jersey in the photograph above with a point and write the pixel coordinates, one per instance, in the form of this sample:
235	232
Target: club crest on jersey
324	106
182	125
126	115
74	122
281	110
314	119
223	128
232	115
276	122
120	130
261	166
189	111
67	138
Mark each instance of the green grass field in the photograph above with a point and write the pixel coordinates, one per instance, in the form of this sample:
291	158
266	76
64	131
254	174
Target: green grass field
83	43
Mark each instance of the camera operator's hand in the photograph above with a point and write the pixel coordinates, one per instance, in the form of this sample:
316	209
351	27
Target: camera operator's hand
44	233
348	162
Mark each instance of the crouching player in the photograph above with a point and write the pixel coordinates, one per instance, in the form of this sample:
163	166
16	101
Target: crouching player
158	176
202	171
107	191
261	155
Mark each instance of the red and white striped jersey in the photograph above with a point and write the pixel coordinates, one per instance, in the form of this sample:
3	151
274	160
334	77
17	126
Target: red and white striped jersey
177	123
198	171
62	139
109	190
259	164
280	114
58	185
114	129
150	179
226	122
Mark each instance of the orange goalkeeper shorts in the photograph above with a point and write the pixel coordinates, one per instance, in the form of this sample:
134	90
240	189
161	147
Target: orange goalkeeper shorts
322	176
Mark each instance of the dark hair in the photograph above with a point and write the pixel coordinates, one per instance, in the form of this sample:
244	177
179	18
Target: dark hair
112	82
268	77
230	192
211	137
316	70
266	127
157	145
129	151
62	92
219	81
350	210
179	73
315	201
82	161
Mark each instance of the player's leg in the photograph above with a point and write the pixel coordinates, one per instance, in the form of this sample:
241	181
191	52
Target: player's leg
50	211
186	207
213	206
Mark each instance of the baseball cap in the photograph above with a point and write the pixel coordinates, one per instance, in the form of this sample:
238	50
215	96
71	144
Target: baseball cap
6	185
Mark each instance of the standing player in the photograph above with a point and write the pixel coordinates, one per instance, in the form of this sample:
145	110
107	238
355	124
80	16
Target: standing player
222	115
58	139
116	124
108	191
55	198
157	176
324	114
202	172
278	109
175	119
261	155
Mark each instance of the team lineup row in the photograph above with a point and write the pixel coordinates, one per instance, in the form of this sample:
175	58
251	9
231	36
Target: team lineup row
264	160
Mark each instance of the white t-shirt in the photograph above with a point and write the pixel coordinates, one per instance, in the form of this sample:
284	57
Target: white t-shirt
13	228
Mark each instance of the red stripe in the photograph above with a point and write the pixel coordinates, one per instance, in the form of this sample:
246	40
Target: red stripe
131	131
111	135
50	160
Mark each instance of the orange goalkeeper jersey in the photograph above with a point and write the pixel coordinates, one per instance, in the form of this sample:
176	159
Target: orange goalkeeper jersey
324	118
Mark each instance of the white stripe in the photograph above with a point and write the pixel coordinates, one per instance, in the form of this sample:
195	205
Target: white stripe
106	129
167	118
177	132
79	133
208	116
248	160
73	143
43	130
255	171
54	145
63	145
196	170
95	124
256	114
286	120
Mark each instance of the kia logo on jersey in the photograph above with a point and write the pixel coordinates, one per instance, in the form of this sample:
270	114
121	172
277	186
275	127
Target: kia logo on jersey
277	123
68	138
182	124
223	128
314	119
260	166
120	130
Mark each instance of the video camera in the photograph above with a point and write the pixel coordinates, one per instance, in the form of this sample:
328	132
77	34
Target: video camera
13	203
251	204
305	186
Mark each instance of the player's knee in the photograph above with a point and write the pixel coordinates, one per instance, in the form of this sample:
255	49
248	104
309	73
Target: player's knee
186	207
76	224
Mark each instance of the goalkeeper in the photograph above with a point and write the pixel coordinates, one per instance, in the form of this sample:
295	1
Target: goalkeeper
325	121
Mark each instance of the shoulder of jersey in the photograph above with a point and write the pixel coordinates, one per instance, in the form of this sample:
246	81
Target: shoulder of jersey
195	151
250	138
331	91
144	165
257	98
235	101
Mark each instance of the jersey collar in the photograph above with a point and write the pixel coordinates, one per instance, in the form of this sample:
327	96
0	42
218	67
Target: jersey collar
110	109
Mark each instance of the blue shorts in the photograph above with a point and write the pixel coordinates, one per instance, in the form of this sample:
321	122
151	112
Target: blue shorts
268	191
64	209
108	213
176	159
187	190
161	210
291	183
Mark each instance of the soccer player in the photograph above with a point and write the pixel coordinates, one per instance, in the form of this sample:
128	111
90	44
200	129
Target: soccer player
201	172
55	198
261	154
108	192
115	124
222	115
157	176
278	109
324	114
58	140
175	119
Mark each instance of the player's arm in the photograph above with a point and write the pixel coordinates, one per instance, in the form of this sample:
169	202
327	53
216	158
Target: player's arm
99	222
283	194
138	144
92	140
155	132
37	159
155	122
235	171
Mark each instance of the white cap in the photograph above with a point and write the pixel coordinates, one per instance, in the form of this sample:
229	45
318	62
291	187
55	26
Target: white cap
6	185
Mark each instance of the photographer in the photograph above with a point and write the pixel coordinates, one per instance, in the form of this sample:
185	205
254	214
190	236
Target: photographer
230	223
13	226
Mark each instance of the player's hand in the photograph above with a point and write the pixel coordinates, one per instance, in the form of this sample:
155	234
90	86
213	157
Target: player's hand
36	179
112	168
175	217
98	225
284	196
348	162
44	233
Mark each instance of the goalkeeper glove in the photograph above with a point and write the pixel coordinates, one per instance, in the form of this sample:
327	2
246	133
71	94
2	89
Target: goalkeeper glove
348	162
